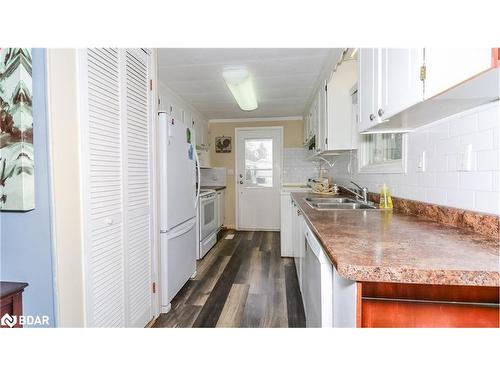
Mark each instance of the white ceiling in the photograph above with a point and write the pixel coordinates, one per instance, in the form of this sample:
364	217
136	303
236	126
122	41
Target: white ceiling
284	78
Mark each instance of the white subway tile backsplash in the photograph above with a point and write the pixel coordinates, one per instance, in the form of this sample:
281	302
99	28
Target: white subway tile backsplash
460	198
482	140
489	118
296	169
441	183
496	181
463	125
487	160
448	180
435	195
482	181
486	201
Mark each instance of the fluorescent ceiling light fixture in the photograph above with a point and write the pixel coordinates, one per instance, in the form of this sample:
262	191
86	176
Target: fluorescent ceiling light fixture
241	86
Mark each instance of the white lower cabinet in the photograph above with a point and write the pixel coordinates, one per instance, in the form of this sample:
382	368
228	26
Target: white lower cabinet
286	225
221	208
329	299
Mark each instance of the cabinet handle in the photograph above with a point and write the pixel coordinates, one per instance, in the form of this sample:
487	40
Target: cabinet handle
372	117
380	112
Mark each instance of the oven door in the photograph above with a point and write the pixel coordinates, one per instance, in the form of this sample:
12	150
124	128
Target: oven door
208	219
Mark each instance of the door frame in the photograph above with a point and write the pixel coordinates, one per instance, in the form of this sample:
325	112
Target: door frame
237	131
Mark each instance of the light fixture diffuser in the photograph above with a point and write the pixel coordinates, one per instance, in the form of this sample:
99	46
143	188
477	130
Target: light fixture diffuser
240	83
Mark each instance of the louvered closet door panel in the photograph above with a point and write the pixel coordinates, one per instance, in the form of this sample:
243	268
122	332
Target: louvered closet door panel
104	189
138	189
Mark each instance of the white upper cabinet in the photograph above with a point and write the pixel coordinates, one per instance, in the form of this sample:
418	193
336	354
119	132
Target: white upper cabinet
401	89
321	138
400	84
340	128
389	82
446	67
368	80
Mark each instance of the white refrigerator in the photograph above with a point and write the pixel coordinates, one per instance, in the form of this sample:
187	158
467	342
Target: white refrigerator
178	206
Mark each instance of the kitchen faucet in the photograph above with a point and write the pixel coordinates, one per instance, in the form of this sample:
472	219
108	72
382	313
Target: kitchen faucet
364	192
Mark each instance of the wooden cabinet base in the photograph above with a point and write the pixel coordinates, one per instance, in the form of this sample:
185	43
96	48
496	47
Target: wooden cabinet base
395	305
11	300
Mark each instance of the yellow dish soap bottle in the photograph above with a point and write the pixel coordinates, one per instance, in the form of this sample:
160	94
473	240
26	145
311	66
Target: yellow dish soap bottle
385	197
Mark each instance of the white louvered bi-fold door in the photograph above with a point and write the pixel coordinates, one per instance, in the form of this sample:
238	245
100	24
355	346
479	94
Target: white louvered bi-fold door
116	187
138	210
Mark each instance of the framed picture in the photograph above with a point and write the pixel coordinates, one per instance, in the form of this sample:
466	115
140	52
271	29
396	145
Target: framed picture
17	184
223	144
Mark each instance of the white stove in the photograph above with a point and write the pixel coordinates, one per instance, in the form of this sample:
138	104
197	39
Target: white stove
207	221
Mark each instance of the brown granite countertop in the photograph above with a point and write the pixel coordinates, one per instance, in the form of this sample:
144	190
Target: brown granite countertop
384	246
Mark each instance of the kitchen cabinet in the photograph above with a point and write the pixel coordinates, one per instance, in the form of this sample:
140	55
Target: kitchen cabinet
394	85
400	84
340	128
368	87
221	208
388	82
288	209
286	232
329	299
446	67
396	305
314	120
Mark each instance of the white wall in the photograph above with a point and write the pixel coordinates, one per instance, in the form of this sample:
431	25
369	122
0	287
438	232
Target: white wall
167	96
441	183
64	141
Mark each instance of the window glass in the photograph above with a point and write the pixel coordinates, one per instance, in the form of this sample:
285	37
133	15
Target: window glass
384	148
259	162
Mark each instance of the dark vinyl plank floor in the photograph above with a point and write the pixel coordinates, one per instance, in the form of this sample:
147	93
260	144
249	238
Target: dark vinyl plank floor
242	282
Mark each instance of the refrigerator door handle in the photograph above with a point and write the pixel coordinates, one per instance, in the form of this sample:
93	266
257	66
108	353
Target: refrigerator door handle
199	178
183	230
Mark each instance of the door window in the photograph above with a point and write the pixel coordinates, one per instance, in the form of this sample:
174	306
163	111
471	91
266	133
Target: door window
259	162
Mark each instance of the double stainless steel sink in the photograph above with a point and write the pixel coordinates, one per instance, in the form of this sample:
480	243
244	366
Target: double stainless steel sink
338	203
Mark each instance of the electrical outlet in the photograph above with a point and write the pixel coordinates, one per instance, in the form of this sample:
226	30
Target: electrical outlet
421	162
464	158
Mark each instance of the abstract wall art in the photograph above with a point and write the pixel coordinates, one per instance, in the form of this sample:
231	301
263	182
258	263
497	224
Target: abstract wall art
16	131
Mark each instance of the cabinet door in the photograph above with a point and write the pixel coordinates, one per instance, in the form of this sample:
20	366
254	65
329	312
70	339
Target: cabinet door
286	225
103	208
340	107
368	79
400	83
222	210
323	123
447	67
138	223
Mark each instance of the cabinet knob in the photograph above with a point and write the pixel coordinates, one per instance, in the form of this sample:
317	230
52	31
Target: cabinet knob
372	117
241	182
380	112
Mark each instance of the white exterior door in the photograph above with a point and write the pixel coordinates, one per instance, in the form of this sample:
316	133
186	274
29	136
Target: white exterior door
258	177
